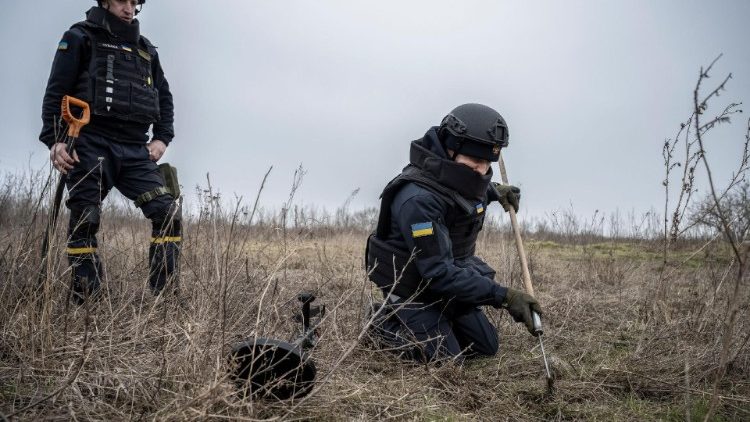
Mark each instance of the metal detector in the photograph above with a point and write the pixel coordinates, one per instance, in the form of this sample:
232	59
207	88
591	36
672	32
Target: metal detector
265	367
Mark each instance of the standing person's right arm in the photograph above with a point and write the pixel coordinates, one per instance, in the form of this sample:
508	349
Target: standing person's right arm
62	81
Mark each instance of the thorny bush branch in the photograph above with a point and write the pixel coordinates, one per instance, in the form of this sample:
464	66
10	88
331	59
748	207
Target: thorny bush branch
693	134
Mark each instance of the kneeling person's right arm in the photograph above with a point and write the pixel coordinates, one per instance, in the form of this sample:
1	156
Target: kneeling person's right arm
421	221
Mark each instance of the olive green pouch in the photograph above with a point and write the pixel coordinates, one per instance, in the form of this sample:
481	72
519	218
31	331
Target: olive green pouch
171	186
169	173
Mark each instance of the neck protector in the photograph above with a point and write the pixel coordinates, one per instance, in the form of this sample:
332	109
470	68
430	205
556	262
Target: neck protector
455	176
130	32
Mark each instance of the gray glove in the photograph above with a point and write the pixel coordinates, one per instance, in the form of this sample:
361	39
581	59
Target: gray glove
509	196
520	305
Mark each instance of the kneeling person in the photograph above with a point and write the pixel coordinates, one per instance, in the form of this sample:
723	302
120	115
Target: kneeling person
422	253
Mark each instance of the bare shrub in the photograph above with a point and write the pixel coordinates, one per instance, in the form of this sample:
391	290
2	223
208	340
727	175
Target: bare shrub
619	350
724	211
133	356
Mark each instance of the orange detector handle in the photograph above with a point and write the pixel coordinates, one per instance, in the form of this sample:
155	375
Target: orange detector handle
74	125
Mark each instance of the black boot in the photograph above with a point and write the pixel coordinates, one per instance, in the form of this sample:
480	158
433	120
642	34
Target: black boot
86	269
163	256
86	272
164	251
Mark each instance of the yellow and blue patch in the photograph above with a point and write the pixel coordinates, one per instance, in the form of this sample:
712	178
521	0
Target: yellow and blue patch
126	48
63	45
421	229
480	208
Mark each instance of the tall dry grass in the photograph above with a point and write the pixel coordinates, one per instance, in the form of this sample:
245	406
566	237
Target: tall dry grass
646	316
616	354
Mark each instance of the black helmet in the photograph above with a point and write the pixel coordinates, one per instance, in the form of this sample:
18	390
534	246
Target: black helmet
99	2
137	11
475	130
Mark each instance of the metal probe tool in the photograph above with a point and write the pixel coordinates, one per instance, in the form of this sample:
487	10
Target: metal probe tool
536	319
539	332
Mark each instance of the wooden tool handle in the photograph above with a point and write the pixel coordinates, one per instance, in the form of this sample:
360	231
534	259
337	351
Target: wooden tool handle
517	232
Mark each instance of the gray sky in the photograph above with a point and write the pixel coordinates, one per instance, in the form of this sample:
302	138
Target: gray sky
590	90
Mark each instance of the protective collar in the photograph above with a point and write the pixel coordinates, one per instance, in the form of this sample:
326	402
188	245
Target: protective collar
425	154
99	16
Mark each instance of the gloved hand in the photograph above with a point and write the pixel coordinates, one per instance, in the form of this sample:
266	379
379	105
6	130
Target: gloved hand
520	305
509	196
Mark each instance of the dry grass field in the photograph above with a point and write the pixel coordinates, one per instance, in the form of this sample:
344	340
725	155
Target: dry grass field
628	337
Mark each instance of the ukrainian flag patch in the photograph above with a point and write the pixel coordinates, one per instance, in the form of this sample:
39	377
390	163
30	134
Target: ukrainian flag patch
63	45
421	229
480	208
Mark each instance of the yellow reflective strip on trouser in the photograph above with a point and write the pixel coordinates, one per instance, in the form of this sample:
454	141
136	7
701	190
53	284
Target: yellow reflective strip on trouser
81	251
166	239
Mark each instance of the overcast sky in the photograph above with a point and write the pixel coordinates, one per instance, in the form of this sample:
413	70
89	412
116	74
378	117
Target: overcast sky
590	90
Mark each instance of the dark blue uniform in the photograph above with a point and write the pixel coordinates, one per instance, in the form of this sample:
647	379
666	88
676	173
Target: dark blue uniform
70	70
435	208
106	62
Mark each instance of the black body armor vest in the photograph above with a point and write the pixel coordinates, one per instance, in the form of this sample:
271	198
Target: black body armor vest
464	220
118	82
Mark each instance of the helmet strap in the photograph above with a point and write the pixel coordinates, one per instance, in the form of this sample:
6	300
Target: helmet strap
459	145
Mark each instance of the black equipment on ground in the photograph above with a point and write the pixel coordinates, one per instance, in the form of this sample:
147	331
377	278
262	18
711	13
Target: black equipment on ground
265	367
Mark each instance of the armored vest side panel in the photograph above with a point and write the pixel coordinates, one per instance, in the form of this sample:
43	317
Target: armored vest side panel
386	263
464	231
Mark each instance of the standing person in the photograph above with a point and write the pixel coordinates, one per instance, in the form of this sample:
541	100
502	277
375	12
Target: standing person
422	253
105	61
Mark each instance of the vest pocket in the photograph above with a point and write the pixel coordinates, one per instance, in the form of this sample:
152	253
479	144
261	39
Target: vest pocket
144	103
123	86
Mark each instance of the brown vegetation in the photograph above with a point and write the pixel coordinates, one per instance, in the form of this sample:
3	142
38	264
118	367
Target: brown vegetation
640	324
617	353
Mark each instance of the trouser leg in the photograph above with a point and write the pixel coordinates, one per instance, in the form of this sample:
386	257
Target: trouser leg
475	333
429	328
139	175
386	330
86	268
88	184
433	332
164	250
